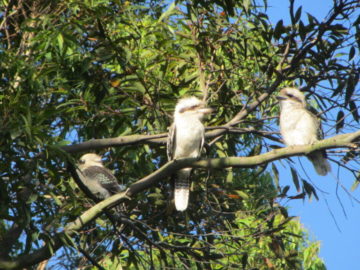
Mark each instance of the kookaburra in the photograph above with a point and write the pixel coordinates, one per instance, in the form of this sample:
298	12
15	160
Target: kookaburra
298	126
98	179
185	140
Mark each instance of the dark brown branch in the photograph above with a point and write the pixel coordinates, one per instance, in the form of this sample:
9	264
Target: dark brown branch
9	239
87	256
96	144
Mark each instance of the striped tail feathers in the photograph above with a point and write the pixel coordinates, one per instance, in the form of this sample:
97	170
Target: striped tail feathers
182	189
321	165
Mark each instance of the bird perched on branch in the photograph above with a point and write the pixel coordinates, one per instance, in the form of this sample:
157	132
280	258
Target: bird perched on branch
298	126
98	179
185	140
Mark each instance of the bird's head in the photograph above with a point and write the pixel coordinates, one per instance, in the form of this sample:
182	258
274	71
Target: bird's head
292	96
91	159
191	106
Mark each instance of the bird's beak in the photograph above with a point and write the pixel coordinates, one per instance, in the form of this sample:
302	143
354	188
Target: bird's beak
205	110
280	98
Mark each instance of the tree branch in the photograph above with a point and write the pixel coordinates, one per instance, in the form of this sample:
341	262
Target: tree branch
161	138
59	239
343	140
340	141
95	144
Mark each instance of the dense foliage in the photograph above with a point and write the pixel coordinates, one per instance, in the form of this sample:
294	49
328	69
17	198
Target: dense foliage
74	71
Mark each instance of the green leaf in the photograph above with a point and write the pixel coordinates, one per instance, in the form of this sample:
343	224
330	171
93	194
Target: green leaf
284	192
340	55
284	212
354	111
229	176
242	194
244	260
56	199
295	179
27	123
168	12
155	195
350	88
340	120
60	40
279	29
32	198
14	133
246	5
276	175
312	19
341	86
351	53
63	143
256	150
297	15
356	183
302	31
67	240
309	189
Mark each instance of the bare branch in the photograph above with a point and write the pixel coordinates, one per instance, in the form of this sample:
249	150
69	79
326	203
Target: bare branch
96	144
118	141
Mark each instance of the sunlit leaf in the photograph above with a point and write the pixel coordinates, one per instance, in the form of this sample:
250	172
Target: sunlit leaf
60	40
168	12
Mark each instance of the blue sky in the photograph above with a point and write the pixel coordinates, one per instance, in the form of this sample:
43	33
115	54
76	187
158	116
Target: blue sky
339	240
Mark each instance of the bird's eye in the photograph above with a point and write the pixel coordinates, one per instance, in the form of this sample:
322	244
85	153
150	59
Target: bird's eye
81	161
290	95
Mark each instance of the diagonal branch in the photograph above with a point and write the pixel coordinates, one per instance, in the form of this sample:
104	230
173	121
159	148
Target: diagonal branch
339	141
59	239
349	140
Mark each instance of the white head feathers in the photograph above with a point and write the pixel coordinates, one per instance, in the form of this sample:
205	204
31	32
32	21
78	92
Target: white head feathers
91	159
191	106
292	95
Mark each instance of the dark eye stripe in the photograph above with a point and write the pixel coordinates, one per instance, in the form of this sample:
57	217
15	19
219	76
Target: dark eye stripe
294	97
189	108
